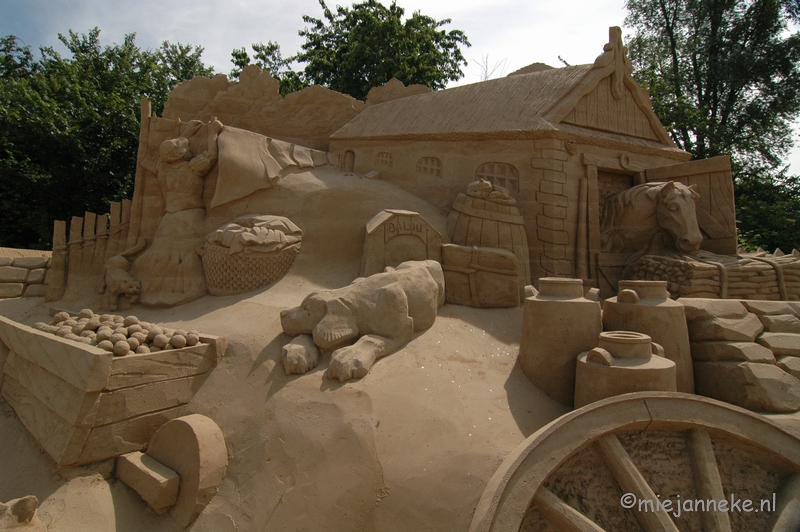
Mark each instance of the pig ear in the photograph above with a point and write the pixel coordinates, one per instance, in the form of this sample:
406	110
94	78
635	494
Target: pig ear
25	508
695	193
337	326
653	192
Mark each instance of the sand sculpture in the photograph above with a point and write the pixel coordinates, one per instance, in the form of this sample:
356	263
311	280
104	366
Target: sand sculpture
249	253
623	362
549	186
380	312
20	515
181	470
170	269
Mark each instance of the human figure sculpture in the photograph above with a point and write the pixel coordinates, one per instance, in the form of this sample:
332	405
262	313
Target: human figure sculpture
170	270
380	312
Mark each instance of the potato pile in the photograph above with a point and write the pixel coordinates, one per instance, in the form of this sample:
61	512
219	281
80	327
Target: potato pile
118	335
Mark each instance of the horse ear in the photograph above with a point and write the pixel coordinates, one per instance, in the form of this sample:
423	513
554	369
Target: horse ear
668	186
653	192
695	193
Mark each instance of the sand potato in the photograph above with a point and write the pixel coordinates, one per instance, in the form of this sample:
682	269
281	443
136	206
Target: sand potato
161	341
121	348
142	350
88	334
85	313
61	316
154	331
117	337
154	349
192	339
106	345
122	330
134	328
177	341
93	324
140	336
130	320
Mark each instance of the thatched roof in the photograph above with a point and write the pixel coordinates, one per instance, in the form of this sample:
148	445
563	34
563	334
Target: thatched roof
510	104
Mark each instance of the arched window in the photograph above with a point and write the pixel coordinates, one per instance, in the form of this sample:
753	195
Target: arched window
500	174
384	158
430	165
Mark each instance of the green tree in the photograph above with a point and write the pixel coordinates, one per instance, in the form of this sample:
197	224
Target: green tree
357	48
723	78
69	127
268	57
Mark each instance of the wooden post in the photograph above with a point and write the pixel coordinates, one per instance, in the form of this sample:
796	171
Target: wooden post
581	249
57	277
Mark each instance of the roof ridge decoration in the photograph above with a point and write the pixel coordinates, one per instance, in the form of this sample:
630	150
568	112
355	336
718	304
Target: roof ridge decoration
613	63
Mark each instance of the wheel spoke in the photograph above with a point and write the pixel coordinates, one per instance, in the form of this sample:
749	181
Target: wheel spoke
630	480
707	480
561	514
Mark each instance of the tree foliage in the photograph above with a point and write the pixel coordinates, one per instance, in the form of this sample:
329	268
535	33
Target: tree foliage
723	78
268	57
69	127
354	49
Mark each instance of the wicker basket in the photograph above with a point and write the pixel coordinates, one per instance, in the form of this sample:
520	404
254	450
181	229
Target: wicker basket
228	274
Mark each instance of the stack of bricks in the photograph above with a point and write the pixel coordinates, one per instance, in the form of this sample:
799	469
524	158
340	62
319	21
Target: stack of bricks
23	276
548	163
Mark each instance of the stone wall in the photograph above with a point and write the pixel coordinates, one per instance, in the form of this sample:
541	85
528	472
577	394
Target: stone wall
23	276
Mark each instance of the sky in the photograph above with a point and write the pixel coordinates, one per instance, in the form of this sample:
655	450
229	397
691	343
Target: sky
507	34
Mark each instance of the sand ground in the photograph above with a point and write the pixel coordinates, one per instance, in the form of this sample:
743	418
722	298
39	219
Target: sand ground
408	447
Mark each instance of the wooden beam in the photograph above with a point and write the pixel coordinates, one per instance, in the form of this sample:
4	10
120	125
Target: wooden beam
631	481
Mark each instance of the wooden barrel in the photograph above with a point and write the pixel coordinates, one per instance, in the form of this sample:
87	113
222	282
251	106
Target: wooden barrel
478	222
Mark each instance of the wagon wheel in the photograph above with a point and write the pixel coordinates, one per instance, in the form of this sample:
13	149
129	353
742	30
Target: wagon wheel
577	473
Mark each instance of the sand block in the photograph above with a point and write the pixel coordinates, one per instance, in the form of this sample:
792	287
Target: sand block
109	441
732	329
302	155
130	402
61	440
75	406
153	481
194	447
11	289
133	370
6	261
781	323
781	343
36	276
30	263
732	351
282	152
36	290
768	307
758	387
320	158
790	365
703	309
83	366
10	274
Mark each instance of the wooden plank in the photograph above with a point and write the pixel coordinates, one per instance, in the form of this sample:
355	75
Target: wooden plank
460	231
127	403
474	232
75	406
711	226
630	480
702	166
61	440
84	366
124	437
593	219
490	234
707	479
134	370
504	239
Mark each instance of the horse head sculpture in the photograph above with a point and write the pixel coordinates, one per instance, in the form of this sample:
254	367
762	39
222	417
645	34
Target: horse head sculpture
632	220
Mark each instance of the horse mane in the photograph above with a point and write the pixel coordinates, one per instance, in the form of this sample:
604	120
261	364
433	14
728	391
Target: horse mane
617	206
